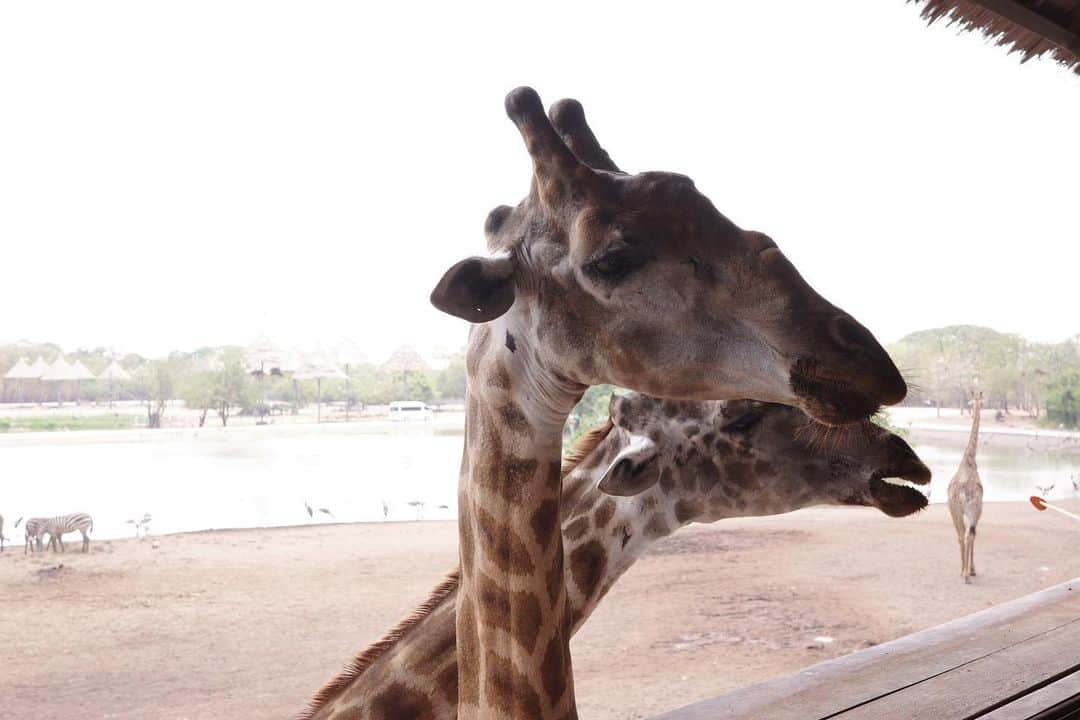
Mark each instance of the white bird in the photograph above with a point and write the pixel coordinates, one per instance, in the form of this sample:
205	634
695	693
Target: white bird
1044	491
307	507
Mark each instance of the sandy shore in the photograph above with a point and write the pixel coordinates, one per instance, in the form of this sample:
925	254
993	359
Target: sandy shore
245	624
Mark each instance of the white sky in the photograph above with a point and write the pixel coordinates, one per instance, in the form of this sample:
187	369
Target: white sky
181	174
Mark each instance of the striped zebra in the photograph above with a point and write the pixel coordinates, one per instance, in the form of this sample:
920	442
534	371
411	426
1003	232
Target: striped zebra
58	526
34	529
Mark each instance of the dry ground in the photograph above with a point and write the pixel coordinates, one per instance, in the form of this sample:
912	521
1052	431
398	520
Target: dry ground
244	624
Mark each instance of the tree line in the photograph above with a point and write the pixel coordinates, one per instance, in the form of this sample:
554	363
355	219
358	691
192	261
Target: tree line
942	366
1016	375
216	382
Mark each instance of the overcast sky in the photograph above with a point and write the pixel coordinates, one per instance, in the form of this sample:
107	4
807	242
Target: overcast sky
182	174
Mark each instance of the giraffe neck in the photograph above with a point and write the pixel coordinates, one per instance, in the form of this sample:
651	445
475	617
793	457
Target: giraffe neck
973	439
512	623
604	535
602	538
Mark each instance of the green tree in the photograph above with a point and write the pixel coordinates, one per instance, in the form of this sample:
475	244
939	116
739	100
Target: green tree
450	383
155	383
232	389
197	392
591	410
1063	400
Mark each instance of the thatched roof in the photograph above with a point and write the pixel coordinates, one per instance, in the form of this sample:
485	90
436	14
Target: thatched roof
405	359
114	372
318	366
60	370
1029	27
21	370
263	357
81	372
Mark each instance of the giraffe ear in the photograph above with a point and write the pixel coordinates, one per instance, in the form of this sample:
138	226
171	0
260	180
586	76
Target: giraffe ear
477	289
634	470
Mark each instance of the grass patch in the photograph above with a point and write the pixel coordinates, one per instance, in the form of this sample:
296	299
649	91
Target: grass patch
62	424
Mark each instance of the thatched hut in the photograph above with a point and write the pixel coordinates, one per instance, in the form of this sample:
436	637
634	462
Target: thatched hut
405	359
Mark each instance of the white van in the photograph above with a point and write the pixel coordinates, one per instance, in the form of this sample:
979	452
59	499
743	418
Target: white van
410	410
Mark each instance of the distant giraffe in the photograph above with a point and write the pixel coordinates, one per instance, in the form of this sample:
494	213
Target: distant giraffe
966	496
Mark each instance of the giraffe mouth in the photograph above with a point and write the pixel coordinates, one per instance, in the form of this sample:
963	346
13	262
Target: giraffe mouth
895	491
830	401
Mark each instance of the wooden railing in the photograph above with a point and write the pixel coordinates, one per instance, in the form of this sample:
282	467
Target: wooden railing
1017	660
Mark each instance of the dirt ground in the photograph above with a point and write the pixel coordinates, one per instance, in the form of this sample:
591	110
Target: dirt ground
245	624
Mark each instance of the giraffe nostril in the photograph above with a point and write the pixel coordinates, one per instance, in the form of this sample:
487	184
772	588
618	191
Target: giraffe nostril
849	334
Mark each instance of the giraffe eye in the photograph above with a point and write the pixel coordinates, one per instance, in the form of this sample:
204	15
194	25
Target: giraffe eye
616	264
743	423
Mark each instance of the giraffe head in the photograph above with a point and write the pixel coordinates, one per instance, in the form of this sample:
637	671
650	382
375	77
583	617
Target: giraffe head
757	458
639	281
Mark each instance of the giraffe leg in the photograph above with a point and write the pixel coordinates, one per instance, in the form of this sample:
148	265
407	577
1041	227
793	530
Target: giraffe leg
971	552
963	556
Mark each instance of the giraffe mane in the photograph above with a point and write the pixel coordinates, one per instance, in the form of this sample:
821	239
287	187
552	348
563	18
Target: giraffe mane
361	662
356	667
584	446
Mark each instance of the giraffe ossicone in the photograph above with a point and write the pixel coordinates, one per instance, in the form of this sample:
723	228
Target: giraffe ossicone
720	460
600	276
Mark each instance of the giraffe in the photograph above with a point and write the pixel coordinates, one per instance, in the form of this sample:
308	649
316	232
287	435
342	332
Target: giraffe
966	494
712	460
596	277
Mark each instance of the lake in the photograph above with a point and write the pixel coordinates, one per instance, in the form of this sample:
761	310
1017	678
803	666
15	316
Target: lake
240	477
262	476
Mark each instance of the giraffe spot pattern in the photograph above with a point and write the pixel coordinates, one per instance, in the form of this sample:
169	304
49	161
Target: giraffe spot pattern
604	512
509	691
399	702
544	522
468	652
515	613
577	528
656	527
502	545
687	510
513	418
587	565
555	668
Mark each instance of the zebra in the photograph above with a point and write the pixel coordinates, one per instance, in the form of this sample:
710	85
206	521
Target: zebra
34	529
57	526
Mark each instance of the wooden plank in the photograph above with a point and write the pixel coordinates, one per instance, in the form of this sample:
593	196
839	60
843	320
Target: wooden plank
1044	698
825	689
973	688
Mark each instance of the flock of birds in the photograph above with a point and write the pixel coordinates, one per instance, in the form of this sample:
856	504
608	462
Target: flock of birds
1044	491
417	505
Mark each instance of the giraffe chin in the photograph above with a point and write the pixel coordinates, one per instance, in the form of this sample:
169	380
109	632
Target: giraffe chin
829	400
899	499
832	402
